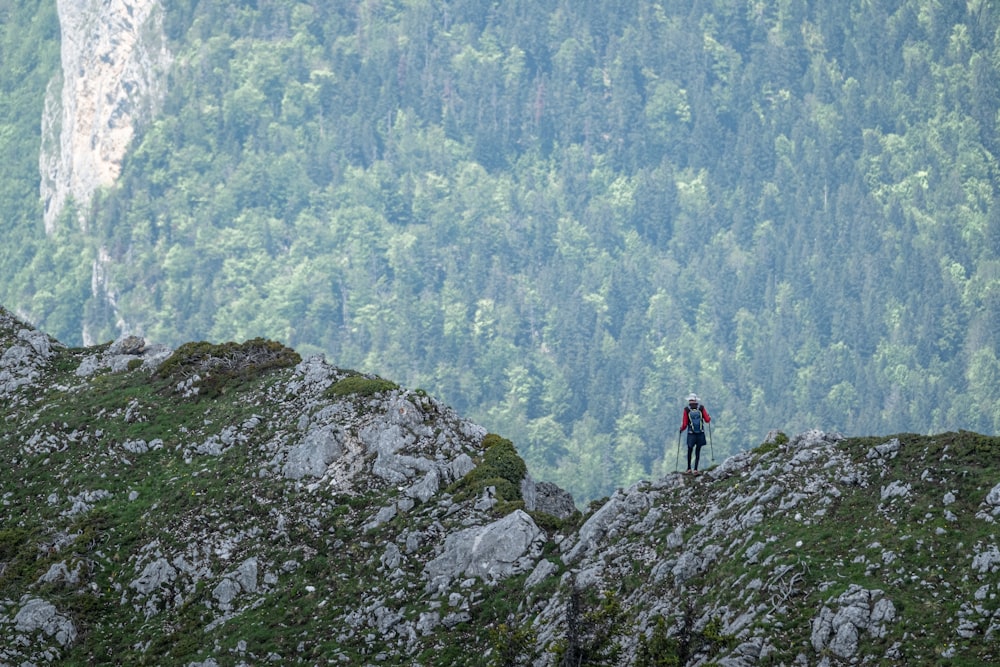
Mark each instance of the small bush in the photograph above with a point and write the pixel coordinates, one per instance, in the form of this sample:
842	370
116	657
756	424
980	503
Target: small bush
511	644
226	362
658	649
554	524
779	440
593	619
501	468
597	504
483	478
501	457
359	385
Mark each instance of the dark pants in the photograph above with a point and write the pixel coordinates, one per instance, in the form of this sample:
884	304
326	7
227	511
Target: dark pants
695	442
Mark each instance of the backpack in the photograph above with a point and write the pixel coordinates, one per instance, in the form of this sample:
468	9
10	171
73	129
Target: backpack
695	422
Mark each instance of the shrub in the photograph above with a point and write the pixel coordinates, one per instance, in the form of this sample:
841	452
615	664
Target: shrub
551	524
501	468
593	619
779	440
511	644
226	362
501	457
597	504
359	385
658	649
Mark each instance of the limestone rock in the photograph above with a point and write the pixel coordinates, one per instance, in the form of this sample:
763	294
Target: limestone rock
840	622
154	575
23	358
36	614
114	67
492	552
551	499
312	456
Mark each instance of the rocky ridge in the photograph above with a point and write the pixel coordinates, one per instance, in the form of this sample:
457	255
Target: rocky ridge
236	505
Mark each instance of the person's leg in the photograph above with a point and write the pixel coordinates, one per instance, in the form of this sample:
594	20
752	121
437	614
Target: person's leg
699	443
690	448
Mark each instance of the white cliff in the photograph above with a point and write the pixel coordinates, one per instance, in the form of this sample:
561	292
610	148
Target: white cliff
114	65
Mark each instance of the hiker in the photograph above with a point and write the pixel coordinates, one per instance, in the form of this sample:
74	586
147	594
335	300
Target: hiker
695	418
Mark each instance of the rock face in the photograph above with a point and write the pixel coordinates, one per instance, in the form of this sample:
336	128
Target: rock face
238	515
114	63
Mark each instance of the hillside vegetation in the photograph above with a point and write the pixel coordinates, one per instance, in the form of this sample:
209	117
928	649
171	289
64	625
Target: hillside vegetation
559	218
168	508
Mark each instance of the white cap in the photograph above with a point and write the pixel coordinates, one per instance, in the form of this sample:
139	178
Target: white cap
693	397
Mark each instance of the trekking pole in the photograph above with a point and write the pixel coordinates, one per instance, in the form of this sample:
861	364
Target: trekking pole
711	447
677	459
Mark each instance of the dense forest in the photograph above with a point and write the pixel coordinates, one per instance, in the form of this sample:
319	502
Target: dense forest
559	217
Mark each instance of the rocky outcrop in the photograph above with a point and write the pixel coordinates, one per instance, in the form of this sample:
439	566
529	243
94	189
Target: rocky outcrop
23	354
493	552
548	498
38	615
120	354
114	64
841	621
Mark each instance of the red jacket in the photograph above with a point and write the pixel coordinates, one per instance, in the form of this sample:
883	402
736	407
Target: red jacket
685	422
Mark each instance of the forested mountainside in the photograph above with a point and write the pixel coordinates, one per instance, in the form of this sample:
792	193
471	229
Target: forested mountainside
558	217
234	504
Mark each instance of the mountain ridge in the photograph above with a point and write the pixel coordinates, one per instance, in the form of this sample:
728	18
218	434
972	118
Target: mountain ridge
236	504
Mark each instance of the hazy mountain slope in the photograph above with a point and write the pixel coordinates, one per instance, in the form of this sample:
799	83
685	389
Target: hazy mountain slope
231	504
